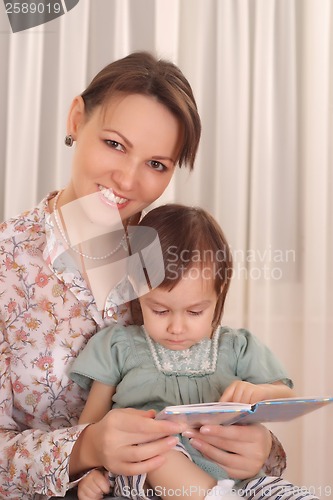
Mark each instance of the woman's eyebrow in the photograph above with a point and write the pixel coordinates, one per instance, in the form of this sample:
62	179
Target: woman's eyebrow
164	158
120	135
129	144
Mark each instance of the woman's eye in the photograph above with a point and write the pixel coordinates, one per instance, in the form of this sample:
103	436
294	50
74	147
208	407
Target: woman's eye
157	165
114	145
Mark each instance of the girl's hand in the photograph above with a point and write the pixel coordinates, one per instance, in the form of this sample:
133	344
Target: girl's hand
93	486
240	449
241	391
125	441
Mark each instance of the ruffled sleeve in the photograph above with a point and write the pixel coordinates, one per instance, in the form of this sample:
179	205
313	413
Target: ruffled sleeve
102	358
32	461
276	463
255	362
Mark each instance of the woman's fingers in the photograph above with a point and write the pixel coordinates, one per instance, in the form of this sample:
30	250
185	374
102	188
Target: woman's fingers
142	458
241	450
140	425
128	441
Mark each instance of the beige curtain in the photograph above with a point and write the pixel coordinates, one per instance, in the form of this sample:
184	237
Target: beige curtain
262	72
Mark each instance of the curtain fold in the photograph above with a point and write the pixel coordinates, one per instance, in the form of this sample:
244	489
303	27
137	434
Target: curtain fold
23	114
316	154
262	74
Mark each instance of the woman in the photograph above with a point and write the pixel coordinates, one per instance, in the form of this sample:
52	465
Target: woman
134	123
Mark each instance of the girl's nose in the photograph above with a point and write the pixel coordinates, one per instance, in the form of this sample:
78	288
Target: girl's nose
176	325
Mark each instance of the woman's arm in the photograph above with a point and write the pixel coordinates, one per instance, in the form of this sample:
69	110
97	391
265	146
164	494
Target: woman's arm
32	461
35	461
276	462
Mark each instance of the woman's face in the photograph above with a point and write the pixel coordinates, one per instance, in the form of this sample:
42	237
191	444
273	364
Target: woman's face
126	152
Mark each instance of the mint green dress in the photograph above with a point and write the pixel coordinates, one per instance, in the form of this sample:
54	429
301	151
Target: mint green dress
147	375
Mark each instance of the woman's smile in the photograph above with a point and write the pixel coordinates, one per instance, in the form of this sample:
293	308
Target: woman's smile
111	198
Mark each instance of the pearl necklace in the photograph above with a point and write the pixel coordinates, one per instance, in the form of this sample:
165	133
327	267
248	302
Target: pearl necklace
64	237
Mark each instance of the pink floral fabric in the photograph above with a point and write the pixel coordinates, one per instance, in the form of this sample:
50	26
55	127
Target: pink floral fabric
46	318
47	315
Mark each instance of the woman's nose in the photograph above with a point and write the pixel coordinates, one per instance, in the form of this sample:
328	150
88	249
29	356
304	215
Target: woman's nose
125	177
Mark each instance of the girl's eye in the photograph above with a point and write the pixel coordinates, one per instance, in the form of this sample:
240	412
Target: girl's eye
114	145
195	313
159	312
157	165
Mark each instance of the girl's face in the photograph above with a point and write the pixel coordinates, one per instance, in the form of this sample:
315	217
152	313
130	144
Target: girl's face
126	152
181	317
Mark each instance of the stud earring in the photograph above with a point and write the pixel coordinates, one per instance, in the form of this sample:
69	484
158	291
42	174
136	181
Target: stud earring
69	141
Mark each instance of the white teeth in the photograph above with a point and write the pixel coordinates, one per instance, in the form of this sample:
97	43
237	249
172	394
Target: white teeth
109	195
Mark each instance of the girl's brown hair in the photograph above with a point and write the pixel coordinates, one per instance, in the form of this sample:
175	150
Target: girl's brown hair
143	73
190	238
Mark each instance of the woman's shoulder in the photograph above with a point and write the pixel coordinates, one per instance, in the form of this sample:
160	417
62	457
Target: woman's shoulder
29	221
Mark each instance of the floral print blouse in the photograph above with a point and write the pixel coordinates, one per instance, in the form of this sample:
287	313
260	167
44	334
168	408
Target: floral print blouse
47	315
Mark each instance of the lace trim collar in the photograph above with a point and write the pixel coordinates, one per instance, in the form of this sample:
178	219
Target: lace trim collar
200	359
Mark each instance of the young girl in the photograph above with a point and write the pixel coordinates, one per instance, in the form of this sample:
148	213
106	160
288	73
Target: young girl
180	355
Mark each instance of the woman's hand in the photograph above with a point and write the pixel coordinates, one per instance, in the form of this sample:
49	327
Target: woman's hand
125	441
240	449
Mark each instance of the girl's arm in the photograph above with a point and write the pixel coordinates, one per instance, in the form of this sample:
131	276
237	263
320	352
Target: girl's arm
98	404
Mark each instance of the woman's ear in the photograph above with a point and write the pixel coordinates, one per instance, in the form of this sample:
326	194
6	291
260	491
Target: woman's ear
76	116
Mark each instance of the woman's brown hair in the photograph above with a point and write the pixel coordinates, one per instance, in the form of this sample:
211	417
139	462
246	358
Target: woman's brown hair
143	73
